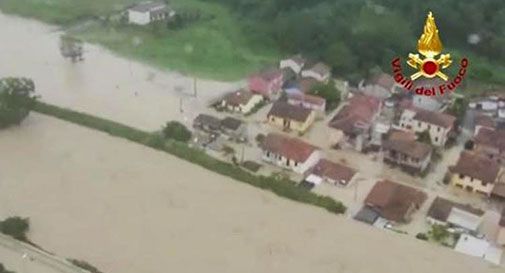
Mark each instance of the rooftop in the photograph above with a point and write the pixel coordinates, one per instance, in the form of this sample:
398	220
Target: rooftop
441	208
285	110
476	166
148	6
334	171
394	201
292	148
320	69
360	109
493	138
307	98
410	148
238	97
382	79
231	123
436	118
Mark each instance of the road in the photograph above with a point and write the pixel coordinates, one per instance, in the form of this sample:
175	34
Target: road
23	258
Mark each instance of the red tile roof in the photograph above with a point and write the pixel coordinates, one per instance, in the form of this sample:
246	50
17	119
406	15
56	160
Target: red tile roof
436	118
238	97
287	111
334	171
393	201
441	208
492	138
307	98
360	109
411	148
292	148
476	166
485	121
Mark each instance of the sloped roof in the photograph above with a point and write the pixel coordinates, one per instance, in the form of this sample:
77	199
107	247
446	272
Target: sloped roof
382	79
493	138
393	201
320	69
476	166
285	110
231	123
411	148
441	208
360	109
307	98
335	171
292	148
207	120
436	118
238	97
148	6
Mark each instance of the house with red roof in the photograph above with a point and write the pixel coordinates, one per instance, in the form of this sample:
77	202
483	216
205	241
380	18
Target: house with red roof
319	71
475	173
491	143
289	153
267	83
381	85
440	126
332	173
241	101
314	103
352	125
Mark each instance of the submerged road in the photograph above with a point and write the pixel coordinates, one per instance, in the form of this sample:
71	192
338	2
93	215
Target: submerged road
23	258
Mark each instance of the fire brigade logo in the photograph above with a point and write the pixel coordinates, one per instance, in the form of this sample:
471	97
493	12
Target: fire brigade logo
429	45
430	64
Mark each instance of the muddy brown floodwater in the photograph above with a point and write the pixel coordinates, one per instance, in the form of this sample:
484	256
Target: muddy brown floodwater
104	84
128	209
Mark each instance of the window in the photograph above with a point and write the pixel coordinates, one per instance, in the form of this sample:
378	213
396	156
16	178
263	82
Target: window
471	179
436	139
484	183
438	129
268	154
461	176
296	163
429	127
419	124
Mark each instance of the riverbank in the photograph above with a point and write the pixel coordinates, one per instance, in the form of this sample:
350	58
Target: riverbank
214	47
127	208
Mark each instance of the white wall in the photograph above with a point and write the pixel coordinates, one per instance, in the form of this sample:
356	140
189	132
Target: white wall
311	74
291	64
139	18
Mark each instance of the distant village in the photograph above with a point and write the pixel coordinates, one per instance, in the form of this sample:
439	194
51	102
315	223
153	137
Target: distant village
401	162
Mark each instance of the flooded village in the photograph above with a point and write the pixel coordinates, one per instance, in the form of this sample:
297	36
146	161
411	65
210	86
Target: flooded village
422	181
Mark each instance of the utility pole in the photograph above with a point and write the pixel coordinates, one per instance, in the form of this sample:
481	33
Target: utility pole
195	91
243	151
180	105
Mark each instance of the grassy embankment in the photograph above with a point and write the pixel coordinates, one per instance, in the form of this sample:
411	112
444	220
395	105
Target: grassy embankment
215	46
280	186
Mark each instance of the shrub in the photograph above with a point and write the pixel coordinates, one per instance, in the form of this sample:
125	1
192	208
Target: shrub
422	236
84	265
16	227
260	138
177	131
439	233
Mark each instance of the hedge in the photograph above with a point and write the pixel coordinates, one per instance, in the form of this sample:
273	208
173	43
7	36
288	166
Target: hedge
282	187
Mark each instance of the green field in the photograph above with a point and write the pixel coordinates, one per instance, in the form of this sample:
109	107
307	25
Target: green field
213	47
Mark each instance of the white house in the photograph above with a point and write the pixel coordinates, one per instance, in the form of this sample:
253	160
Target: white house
147	12
289	153
439	125
319	72
294	63
472	246
241	101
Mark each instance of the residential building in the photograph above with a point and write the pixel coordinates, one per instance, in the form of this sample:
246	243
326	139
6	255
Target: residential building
241	101
451	214
314	103
294	63
483	121
352	125
394	202
290	117
472	246
381	86
320	72
289	153
474	173
440	126
207	123
300	86
501	231
491	143
148	12
267	83
411	155
431	103
332	173
234	128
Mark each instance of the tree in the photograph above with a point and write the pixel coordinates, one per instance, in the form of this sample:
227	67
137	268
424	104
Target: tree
458	109
16	100
16	227
177	131
424	137
340	58
71	47
329	92
439	233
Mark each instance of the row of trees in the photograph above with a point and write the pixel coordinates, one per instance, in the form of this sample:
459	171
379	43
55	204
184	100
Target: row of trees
357	35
